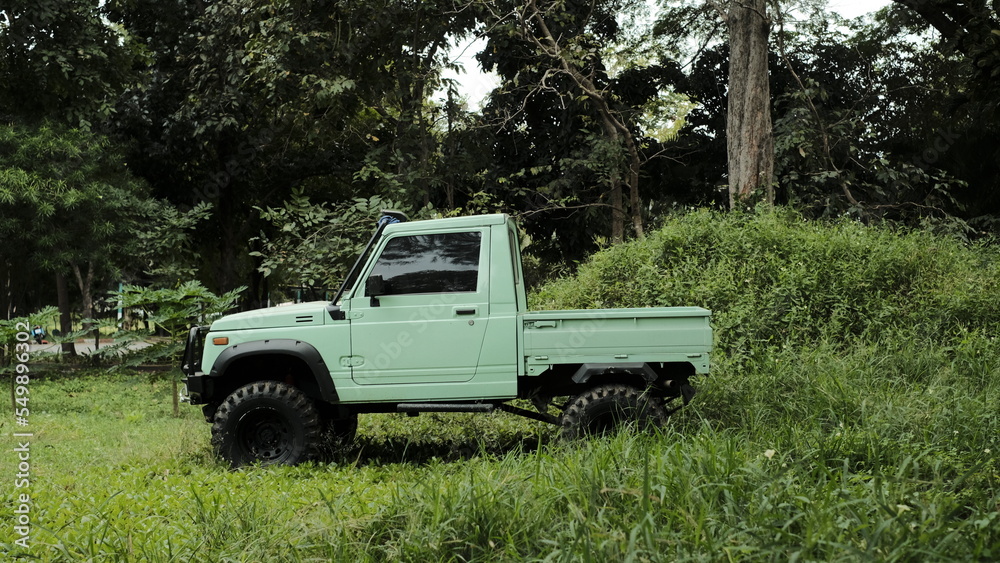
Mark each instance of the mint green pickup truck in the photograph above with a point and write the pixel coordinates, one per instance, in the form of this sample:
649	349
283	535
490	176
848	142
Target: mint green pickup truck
433	318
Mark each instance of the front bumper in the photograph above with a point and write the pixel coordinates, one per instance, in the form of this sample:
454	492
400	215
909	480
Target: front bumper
198	385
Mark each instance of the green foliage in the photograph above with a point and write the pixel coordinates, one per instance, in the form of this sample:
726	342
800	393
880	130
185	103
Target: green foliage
66	194
67	203
889	116
62	60
829	151
775	280
316	243
165	242
174	310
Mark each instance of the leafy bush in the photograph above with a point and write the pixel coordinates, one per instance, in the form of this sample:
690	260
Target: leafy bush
174	310
775	280
11	328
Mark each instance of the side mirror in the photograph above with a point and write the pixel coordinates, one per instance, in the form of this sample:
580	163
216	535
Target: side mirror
375	286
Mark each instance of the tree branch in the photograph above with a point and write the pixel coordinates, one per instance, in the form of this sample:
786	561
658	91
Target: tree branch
824	135
723	14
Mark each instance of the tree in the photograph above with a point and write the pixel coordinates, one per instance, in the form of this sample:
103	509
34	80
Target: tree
971	28
60	59
884	121
534	26
250	99
749	138
569	147
165	243
68	200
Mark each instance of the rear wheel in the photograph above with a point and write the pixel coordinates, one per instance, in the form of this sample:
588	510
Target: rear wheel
607	408
266	422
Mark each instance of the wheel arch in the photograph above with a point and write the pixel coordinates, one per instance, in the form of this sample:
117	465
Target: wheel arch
667	378
289	361
650	373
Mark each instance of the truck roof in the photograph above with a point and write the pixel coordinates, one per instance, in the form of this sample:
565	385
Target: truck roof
450	223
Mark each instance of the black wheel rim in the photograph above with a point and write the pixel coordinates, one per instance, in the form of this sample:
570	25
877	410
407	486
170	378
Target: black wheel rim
606	421
264	435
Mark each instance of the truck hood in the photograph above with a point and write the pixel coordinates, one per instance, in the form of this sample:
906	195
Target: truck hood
300	314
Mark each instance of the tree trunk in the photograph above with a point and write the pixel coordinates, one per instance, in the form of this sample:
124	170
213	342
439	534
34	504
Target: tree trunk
614	127
65	317
8	293
749	138
85	283
635	205
617	209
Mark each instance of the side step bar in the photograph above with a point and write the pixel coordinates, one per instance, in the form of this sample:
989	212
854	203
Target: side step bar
414	408
445	407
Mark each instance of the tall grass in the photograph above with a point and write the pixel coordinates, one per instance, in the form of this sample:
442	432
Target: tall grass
906	477
774	279
853	413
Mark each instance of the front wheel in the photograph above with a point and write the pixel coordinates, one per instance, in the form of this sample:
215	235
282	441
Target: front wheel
268	423
607	408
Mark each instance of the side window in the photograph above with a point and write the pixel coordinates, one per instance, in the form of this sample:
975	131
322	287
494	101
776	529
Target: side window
442	263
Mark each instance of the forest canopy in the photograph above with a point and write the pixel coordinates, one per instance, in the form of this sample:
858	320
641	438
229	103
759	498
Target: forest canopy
250	142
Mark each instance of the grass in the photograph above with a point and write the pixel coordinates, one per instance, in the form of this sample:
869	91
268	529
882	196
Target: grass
836	457
845	421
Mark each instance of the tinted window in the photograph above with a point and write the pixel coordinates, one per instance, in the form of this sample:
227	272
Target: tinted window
430	263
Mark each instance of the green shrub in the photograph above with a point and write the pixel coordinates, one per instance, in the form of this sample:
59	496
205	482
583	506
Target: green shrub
773	280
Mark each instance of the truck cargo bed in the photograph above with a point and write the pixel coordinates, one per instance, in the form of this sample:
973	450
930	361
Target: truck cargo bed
663	334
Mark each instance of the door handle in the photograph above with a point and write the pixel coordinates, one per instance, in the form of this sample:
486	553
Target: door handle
465	310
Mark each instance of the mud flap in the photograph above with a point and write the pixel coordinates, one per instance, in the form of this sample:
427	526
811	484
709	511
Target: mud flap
687	392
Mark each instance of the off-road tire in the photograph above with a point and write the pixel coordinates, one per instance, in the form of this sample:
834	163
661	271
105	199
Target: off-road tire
267	422
607	408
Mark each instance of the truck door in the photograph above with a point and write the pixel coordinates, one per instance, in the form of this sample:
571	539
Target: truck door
428	321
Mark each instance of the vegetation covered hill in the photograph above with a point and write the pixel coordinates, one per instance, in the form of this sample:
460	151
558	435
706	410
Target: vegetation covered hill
775	280
853	413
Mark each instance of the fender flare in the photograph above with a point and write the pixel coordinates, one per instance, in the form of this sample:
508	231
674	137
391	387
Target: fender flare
280	347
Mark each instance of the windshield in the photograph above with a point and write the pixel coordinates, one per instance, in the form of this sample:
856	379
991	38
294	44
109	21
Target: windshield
388	217
352	276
